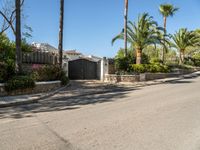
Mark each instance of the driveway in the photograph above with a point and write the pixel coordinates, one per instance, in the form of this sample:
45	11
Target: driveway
158	117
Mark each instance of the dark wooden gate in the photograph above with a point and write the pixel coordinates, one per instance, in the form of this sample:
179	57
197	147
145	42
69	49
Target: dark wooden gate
82	69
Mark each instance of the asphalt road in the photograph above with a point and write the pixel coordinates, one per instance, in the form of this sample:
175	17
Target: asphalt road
157	117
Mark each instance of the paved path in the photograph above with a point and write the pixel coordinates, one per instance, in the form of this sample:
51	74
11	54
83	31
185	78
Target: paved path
158	117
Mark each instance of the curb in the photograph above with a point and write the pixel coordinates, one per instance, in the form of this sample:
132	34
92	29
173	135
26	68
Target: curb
35	100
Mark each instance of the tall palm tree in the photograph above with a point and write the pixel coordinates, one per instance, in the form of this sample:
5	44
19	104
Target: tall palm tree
125	26
60	46
141	34
18	36
184	39
166	10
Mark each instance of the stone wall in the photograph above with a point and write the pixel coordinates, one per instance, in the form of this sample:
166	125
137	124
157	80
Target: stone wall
39	88
143	77
154	76
121	78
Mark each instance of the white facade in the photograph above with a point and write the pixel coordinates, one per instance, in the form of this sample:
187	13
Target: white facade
45	47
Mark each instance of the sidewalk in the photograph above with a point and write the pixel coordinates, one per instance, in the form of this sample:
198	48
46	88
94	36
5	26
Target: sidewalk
80	88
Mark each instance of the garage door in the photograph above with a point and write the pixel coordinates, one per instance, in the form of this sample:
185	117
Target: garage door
82	69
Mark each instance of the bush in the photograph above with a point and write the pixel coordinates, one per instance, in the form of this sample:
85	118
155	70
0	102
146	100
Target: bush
122	64
64	80
49	73
7	70
155	60
19	82
153	68
196	59
138	68
2	71
46	73
156	67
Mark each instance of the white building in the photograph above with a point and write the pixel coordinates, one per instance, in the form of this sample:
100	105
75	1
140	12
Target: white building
45	47
72	54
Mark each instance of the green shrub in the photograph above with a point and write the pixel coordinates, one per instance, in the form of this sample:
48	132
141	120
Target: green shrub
155	60
196	59
122	63
156	67
138	68
47	73
7	70
64	80
2	71
19	82
153	68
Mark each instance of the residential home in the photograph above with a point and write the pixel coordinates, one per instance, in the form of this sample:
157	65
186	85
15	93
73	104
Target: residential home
72	54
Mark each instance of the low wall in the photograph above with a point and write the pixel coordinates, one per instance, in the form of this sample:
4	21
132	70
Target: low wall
144	76
121	78
39	88
154	76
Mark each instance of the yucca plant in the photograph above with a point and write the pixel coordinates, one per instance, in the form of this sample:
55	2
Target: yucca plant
184	39
141	34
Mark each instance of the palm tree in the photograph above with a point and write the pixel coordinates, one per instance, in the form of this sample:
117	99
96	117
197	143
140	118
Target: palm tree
60	46
184	39
18	58
141	34
125	26
166	10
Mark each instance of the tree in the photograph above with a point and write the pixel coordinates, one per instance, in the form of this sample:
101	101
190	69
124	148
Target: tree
18	58
8	13
184	39
166	10
141	34
60	46
125	27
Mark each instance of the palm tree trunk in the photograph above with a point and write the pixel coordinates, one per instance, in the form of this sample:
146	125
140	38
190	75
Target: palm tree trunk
165	31
18	59
138	56
181	57
125	26
60	46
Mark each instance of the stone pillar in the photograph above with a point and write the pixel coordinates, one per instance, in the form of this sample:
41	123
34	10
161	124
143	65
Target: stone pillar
65	66
104	68
142	77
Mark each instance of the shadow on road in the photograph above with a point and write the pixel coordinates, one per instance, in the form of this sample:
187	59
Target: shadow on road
185	79
68	99
61	102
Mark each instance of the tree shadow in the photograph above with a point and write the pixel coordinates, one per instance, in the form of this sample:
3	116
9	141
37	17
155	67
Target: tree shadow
179	82
61	102
185	79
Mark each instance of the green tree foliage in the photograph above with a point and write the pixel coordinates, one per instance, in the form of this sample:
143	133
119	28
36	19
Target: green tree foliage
184	39
142	34
7	57
123	63
166	10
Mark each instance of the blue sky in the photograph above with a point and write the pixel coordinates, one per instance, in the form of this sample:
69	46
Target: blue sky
90	25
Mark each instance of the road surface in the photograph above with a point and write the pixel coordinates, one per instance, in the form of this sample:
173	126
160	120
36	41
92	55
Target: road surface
157	117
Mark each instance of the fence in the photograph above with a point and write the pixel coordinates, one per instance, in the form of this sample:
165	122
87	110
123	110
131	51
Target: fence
40	58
